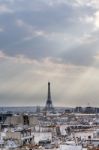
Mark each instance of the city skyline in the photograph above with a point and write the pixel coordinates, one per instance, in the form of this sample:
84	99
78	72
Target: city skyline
45	41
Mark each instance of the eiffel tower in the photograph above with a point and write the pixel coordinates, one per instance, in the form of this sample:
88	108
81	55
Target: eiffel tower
49	105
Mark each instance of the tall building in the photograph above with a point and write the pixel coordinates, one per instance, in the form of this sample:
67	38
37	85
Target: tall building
49	105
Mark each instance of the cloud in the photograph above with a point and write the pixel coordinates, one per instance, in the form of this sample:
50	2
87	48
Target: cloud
48	26
32	32
92	20
96	21
25	80
1	29
89	3
5	9
46	40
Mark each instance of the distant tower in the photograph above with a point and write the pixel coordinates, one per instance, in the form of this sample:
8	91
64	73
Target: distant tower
49	106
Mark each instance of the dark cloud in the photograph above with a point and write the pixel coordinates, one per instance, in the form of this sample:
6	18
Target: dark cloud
59	18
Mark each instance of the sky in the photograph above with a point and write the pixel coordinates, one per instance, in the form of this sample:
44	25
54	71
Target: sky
49	40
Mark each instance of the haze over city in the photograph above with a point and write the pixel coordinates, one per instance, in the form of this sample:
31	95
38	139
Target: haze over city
49	40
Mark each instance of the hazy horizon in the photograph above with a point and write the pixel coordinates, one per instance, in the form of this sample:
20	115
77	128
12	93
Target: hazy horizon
49	40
